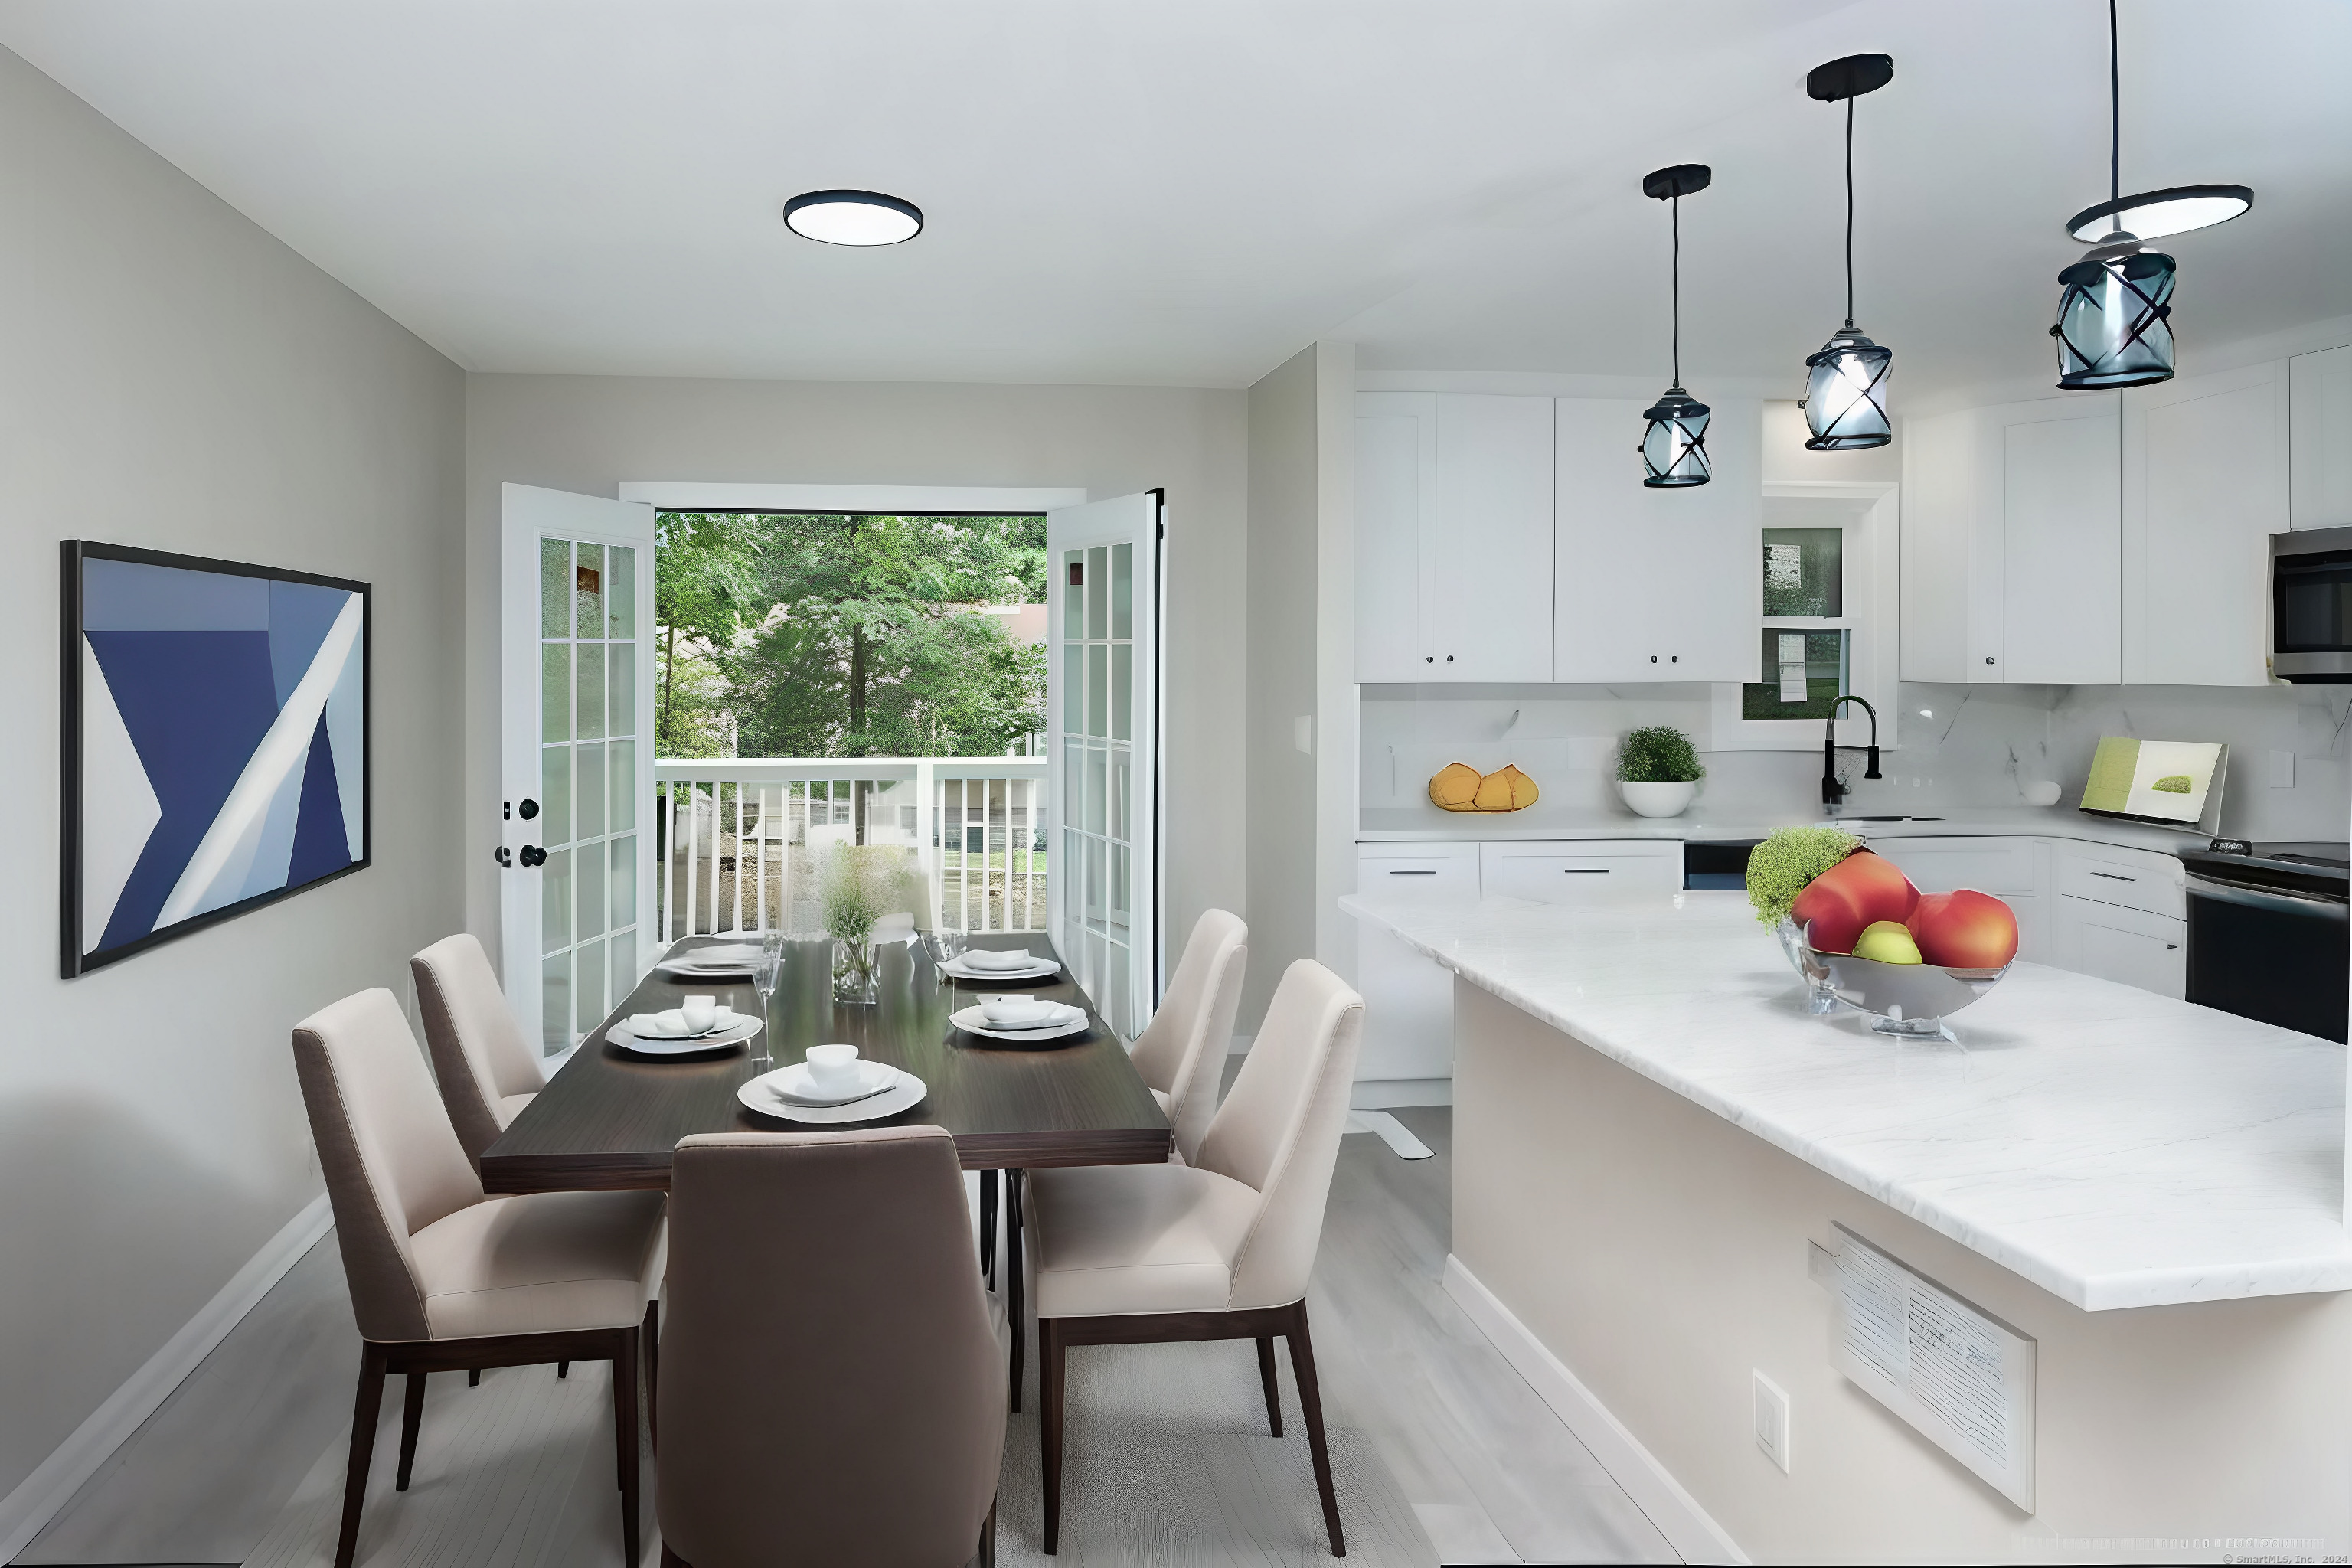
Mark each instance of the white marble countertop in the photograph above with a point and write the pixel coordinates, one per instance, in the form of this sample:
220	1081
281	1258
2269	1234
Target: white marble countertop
1425	824
2117	1148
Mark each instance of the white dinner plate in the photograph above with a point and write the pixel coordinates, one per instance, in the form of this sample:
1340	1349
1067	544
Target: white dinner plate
972	1021
733	1018
725	1040
756	1095
691	973
1038	970
795	1083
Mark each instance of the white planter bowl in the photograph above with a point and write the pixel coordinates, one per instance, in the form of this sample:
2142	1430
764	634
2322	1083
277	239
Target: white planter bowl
1658	799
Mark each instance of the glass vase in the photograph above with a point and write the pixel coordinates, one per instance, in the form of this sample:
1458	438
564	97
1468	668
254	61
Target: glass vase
854	966
1820	1000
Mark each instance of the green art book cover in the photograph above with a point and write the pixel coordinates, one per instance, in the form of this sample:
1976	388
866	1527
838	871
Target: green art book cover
2158	780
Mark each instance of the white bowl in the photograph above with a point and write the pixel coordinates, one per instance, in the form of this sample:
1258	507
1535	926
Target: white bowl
1658	799
1026	1012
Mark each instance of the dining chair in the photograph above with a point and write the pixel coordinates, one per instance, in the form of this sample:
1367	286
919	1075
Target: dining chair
485	1067
446	1278
832	1382
1219	1248
1182	1052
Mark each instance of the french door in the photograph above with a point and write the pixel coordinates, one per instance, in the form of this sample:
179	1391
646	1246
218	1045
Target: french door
1102	703
576	704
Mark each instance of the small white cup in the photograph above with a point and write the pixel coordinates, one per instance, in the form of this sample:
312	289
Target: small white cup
701	1011
832	1067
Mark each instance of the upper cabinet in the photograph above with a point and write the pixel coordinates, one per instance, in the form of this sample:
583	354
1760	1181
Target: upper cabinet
2204	486
2012	544
2319	485
1655	585
1454	537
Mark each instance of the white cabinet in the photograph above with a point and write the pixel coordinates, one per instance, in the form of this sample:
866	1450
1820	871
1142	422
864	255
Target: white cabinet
1581	871
2205	486
1454	537
1408	996
2319	469
2014	870
2012	544
1655	585
2130	947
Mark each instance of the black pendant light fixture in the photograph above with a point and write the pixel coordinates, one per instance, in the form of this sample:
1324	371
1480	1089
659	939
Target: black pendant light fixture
1846	382
1674	447
853	217
2114	326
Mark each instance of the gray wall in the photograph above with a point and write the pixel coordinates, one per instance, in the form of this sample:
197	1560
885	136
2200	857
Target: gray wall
589	433
171	376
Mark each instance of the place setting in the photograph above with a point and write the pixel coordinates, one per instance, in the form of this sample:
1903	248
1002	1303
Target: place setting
833	1087
1023	1020
700	1026
982	966
720	961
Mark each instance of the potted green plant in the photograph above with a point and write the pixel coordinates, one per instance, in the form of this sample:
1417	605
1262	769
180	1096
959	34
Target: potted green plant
1657	770
861	884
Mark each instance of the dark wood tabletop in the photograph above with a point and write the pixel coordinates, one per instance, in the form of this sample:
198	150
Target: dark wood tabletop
608	1120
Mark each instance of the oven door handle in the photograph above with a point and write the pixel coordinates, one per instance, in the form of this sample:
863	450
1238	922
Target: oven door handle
2270	898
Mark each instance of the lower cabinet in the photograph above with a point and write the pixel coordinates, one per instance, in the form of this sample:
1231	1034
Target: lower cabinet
2130	947
1408	1039
1581	871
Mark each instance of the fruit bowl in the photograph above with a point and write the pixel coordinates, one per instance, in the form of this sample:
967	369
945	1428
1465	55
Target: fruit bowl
1908	1000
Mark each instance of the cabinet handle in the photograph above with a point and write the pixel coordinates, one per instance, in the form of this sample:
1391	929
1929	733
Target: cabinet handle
1413	873
1988	658
1449	658
2114	875
2170	945
1584	870
1429	658
1673	659
1653	659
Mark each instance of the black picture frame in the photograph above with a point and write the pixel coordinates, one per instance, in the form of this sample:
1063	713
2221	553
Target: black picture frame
73	829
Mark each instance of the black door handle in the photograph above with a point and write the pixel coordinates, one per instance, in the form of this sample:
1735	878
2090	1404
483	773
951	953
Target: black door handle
530	809
532	855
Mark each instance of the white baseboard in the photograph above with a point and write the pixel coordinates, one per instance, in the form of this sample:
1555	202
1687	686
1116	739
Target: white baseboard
37	1498
1388	1093
1685	1525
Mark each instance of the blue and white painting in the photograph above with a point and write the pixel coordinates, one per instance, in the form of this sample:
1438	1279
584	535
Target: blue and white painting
222	743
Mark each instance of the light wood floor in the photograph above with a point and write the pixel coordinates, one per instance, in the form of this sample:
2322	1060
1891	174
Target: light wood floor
1444	1453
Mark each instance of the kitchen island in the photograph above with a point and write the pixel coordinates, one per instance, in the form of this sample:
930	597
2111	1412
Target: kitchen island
1649	1129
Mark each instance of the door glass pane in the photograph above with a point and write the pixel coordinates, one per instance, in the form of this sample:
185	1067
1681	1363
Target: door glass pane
625	881
555	691
554	588
1094	881
1095	790
621	969
591	989
1097	689
1074	595
1804	571
1119	853
621	592
621	683
1118	1007
1118	825
1122	590
621	799
592	689
555	903
591	873
1097	591
588	591
554	1003
555	824
1073	782
1074	689
590	804
1122	690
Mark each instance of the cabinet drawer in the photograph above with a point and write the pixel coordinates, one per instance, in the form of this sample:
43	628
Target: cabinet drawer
2131	947
2002	866
1433	873
2132	881
1591	871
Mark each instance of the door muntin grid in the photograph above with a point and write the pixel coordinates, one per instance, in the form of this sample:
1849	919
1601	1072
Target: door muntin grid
587	784
1097	773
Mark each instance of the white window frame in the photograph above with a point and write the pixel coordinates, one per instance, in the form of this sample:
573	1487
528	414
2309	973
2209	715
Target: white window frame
1872	598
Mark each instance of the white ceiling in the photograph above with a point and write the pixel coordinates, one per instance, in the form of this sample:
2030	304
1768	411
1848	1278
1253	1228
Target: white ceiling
1185	192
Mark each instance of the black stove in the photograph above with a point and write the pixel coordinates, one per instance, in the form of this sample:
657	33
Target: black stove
2316	869
2267	932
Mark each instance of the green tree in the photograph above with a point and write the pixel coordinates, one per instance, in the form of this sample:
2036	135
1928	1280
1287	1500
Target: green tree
706	592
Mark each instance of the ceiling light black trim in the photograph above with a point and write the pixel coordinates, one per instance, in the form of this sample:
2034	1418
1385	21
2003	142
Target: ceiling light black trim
850	198
1849	77
2088	217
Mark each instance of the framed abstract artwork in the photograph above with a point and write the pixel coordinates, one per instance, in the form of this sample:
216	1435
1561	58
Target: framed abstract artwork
215	743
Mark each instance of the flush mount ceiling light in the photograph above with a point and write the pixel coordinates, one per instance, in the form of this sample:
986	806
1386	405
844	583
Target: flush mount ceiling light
1845	382
2114	310
1674	448
853	217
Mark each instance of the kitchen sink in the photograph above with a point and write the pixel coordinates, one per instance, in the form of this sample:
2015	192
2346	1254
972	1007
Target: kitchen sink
1886	819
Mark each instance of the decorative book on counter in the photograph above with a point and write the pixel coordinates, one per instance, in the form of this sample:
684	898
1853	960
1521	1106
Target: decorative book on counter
2167	782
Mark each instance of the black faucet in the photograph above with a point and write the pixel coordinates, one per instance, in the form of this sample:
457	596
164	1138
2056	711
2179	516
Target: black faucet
1833	792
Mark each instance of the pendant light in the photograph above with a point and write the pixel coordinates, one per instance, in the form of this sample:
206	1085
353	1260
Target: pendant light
1674	447
853	217
1845	382
2114	326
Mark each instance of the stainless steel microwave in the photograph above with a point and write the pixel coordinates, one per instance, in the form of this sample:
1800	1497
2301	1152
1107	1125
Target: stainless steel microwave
2310	604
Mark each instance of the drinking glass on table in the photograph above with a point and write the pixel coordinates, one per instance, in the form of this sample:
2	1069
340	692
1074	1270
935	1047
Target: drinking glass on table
946	944
766	970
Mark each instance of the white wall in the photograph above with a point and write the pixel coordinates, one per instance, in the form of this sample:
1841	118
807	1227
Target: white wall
171	377
590	433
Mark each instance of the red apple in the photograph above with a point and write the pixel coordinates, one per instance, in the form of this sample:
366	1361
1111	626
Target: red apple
1857	892
1966	930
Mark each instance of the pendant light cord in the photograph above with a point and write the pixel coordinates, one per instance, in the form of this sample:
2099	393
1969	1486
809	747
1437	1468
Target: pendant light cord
1675	205
2115	114
1848	208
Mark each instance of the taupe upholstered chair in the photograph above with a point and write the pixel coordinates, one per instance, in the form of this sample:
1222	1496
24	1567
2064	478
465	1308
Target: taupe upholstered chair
1216	1249
833	1386
486	1070
1182	1052
444	1278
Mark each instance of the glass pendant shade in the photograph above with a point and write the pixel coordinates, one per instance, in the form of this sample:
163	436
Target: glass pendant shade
1674	448
1845	393
2113	328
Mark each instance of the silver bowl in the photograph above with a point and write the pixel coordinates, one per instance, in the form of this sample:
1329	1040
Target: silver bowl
1911	1000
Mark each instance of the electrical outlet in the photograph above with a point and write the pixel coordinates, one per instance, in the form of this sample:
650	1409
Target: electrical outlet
1771	1421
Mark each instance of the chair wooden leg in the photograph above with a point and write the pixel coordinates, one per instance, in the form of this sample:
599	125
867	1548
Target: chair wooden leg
412	1416
988	1226
649	1337
564	1369
988	1537
1273	1389
364	1408
1051	1352
474	1377
625	1438
1017	1307
1310	1405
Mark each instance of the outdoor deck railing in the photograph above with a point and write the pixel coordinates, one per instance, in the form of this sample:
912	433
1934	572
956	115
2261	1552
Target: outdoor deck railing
736	839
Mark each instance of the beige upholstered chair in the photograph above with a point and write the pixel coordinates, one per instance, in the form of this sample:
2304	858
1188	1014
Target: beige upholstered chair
1217	1249
832	1389
1182	1052
444	1278
486	1068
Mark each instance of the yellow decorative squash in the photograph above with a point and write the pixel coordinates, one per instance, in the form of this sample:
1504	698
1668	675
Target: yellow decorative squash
1458	787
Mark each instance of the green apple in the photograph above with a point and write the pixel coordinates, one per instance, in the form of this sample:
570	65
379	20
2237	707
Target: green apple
1887	941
